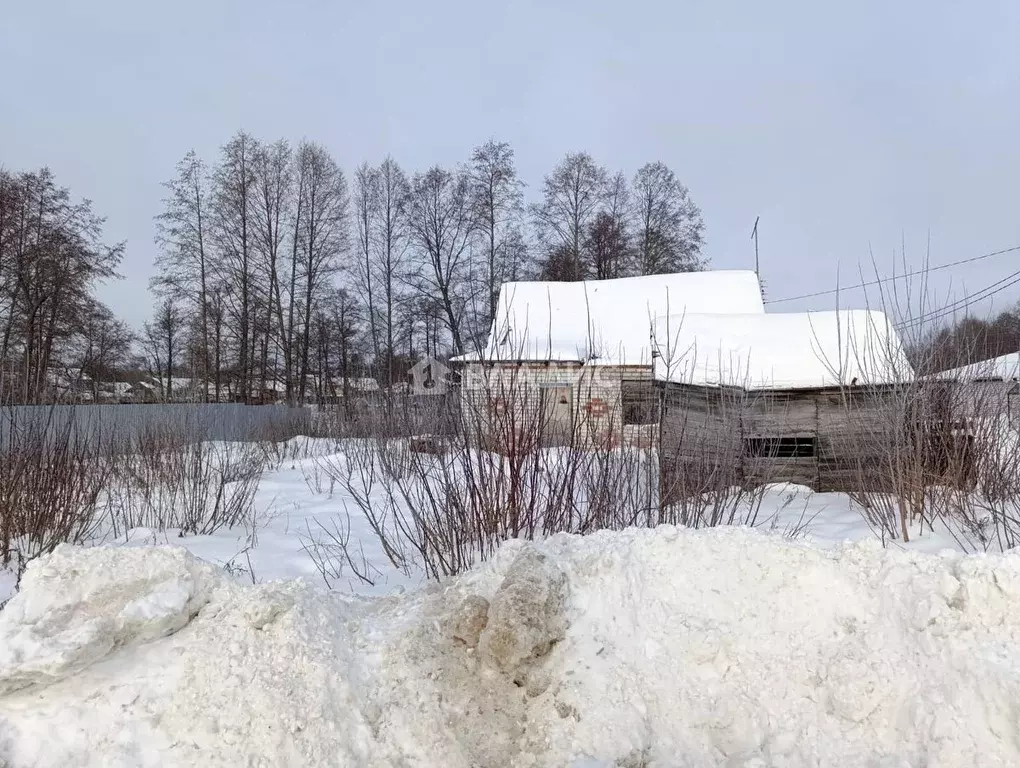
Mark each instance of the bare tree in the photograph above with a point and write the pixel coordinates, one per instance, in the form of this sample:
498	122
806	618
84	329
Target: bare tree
273	199
497	201
235	227
181	234
606	248
562	266
163	341
366	211
217	315
51	257
442	221
572	196
391	242
102	347
323	235
336	325
669	228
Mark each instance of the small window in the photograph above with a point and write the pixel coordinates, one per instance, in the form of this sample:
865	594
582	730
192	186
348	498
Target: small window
779	447
640	405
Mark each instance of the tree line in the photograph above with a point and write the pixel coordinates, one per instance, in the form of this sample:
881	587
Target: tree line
282	275
52	257
968	340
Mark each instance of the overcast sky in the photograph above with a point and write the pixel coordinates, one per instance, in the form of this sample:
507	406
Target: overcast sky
848	128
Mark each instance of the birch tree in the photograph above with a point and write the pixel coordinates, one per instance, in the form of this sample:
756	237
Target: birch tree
443	223
669	228
496	194
164	340
572	196
51	258
323	235
183	261
273	199
235	227
365	213
392	238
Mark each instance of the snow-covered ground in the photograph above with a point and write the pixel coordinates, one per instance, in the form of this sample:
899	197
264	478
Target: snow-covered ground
781	646
641	648
296	505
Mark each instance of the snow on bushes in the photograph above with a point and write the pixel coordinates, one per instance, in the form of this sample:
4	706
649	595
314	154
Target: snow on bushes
634	648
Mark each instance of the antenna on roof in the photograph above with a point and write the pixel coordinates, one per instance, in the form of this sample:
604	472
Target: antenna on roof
757	266
754	236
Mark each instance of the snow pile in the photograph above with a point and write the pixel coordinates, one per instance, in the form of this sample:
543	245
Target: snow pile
68	617
640	648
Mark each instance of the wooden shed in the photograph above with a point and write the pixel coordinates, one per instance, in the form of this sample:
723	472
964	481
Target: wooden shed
811	398
574	361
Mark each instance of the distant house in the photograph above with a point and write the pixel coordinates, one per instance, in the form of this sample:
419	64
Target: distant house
359	385
182	389
117	391
809	398
70	384
576	358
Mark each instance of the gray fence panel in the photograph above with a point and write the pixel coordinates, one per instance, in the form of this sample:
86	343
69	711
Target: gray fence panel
114	426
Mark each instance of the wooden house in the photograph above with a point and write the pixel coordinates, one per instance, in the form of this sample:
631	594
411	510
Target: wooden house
813	398
573	363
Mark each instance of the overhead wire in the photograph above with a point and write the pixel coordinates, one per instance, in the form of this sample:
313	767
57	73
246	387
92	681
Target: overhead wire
985	293
879	281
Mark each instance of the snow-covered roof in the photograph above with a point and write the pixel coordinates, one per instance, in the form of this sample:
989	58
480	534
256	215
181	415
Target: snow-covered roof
781	351
67	377
1004	368
177	383
360	383
608	321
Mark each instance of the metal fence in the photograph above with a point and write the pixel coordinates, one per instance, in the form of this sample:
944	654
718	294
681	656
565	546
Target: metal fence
110	427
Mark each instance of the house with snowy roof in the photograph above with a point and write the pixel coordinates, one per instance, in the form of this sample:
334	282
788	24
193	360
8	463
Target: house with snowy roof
573	362
813	398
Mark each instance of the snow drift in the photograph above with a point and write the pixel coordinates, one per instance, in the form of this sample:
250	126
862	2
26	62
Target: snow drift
642	648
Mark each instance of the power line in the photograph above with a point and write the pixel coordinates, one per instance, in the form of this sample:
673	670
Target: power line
985	293
897	277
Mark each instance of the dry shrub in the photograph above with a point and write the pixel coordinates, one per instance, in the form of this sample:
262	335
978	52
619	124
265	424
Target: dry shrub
506	473
173	478
281	439
934	452
51	486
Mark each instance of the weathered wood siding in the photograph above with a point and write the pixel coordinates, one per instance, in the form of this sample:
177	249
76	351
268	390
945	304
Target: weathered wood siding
854	432
707	429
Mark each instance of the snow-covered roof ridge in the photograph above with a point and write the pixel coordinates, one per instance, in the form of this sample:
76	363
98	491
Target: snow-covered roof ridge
803	350
1002	368
609	321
